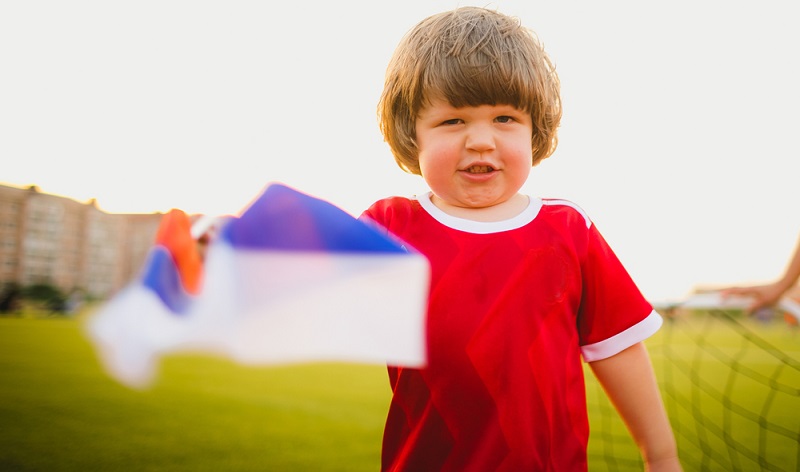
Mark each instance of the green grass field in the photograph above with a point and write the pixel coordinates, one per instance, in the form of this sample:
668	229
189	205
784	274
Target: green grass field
59	411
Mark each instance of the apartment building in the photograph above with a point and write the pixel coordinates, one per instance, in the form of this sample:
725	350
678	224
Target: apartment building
51	239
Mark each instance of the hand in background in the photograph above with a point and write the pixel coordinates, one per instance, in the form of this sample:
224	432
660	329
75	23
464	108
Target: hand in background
767	295
763	295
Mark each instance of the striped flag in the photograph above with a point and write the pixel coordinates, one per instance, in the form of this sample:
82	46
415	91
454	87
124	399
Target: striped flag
292	279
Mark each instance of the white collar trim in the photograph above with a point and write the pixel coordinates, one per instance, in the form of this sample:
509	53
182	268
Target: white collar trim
481	227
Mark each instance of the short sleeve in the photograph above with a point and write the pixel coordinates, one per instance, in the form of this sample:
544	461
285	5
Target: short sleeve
614	314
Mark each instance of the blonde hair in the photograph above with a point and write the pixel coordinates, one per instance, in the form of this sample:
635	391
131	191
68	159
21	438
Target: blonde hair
469	57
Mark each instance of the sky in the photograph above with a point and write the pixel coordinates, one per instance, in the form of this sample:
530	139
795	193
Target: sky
679	135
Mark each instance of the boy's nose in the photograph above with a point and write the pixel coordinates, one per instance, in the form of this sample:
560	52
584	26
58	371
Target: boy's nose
480	138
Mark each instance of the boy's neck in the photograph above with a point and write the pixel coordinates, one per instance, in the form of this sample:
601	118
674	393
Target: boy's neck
500	212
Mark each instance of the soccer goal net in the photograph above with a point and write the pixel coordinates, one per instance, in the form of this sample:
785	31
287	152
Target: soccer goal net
731	385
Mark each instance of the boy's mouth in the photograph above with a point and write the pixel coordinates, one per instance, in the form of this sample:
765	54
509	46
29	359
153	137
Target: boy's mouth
479	169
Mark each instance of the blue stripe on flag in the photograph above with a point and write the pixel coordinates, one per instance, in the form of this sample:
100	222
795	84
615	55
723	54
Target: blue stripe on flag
285	219
161	276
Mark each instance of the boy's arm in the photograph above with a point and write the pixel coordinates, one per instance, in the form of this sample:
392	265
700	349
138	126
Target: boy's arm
630	384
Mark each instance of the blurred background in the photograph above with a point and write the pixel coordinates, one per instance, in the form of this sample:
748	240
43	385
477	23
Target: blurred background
677	138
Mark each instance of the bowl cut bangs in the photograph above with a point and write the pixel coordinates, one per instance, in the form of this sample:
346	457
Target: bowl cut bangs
469	57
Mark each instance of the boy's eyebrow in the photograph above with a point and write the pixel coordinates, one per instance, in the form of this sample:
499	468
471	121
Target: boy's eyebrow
423	113
449	108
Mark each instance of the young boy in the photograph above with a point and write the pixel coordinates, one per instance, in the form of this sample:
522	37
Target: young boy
521	288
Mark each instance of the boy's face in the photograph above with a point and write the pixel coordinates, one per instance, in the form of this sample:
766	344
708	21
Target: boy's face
474	157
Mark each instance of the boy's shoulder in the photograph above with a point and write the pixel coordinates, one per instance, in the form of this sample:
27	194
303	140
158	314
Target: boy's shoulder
558	206
390	208
393	203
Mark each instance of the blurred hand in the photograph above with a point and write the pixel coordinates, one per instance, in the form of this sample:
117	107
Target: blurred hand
204	231
763	295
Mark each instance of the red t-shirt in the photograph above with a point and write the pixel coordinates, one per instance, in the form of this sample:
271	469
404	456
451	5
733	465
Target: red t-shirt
513	306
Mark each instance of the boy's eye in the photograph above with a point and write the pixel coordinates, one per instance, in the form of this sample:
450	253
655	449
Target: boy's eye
453	121
504	119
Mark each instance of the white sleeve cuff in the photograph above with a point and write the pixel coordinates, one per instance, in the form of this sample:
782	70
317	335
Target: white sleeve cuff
621	341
